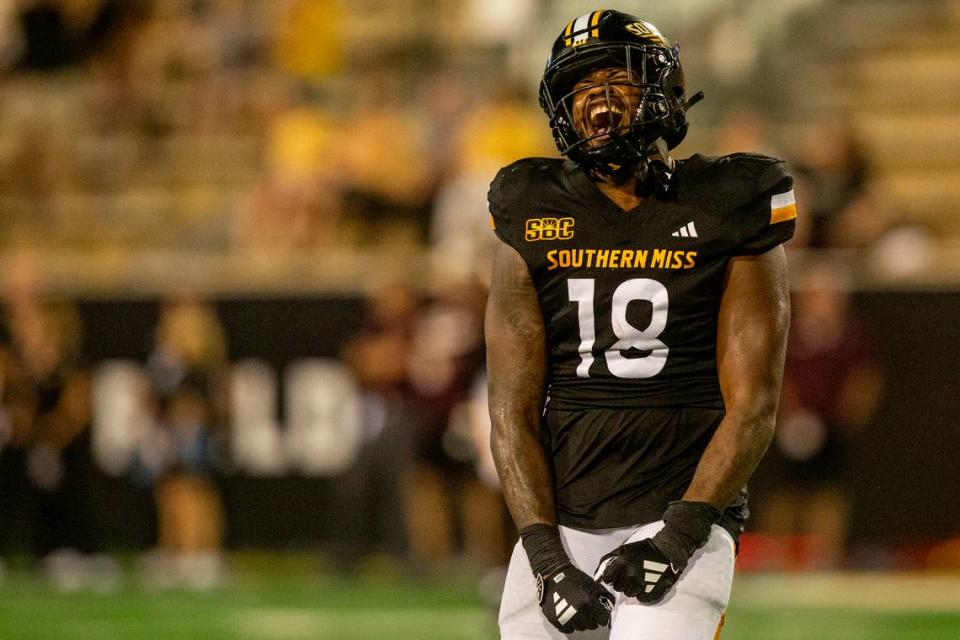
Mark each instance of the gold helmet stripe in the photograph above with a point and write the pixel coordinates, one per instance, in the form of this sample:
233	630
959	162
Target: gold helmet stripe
581	29
594	21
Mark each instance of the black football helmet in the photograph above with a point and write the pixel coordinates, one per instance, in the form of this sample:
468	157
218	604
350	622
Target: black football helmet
617	136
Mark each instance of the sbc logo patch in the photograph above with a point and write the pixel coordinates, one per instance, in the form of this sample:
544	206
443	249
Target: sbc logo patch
548	229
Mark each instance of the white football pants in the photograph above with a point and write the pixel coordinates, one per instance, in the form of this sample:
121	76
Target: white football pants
692	610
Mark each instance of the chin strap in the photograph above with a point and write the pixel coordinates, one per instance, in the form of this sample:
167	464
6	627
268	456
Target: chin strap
653	178
615	173
655	171
652	170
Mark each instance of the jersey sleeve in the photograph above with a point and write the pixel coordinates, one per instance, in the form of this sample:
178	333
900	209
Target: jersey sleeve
506	190
770	216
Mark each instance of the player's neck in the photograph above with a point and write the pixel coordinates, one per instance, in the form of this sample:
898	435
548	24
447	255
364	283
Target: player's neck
623	195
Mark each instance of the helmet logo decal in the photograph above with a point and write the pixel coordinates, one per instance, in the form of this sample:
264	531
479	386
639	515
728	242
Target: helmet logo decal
582	28
647	31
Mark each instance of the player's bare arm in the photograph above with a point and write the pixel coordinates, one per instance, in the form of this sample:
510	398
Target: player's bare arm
517	369
751	346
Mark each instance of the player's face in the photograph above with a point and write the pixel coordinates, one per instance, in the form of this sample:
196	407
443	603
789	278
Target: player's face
604	102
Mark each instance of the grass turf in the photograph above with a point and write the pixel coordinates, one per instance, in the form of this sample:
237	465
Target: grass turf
301	607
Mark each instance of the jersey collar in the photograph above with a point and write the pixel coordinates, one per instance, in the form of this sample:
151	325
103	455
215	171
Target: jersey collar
609	210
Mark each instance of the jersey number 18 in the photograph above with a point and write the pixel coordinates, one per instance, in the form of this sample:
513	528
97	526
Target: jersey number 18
581	291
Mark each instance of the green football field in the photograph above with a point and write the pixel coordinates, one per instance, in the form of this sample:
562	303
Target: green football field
276	605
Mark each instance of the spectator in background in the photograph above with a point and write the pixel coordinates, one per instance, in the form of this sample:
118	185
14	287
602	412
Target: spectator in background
52	35
417	486
382	155
744	127
298	202
370	496
833	167
449	511
186	369
453	495
17	413
309	40
11	37
861	223
492	134
831	387
54	32
892	248
118	84
45	459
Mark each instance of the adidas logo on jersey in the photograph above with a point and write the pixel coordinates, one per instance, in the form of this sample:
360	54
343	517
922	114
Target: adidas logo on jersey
686	231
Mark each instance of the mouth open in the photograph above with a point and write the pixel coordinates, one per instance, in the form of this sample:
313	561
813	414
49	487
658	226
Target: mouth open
603	118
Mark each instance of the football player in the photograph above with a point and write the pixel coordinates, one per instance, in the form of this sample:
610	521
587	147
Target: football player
636	330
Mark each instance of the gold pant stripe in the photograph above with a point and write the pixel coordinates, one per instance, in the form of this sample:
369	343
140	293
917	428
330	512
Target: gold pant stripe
723	618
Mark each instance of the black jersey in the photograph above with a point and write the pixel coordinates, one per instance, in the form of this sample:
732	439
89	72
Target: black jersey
630	302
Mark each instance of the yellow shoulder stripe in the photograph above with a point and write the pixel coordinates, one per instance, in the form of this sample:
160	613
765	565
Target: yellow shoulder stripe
783	207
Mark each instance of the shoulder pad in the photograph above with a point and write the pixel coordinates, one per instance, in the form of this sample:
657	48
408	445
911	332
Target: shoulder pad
764	172
513	179
737	179
767	211
512	187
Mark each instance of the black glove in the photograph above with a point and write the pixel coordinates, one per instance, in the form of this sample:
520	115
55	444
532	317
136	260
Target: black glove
646	570
570	599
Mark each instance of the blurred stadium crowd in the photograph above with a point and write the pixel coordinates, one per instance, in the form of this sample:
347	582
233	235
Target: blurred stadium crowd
326	146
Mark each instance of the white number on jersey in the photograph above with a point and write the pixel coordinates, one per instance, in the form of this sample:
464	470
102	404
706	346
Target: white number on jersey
581	291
